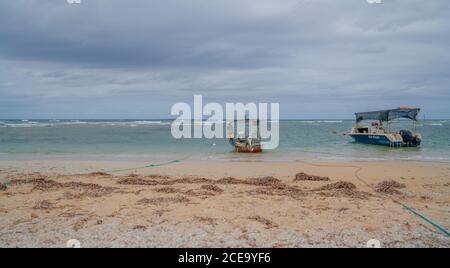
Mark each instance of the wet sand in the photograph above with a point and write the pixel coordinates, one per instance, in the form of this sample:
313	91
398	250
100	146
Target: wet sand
222	204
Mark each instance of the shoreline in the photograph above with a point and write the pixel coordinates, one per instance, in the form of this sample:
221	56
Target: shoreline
185	165
226	156
221	204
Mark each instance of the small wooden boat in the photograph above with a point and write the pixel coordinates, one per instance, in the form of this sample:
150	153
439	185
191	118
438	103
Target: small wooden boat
377	135
246	145
245	142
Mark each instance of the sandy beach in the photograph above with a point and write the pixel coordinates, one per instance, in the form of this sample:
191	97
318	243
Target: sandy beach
44	203
225	124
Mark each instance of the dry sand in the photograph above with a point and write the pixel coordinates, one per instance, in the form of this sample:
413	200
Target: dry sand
222	204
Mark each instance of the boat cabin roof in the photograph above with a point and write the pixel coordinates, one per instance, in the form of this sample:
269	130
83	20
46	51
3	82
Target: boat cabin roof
391	114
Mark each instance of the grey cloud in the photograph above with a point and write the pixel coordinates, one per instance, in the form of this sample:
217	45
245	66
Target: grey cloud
305	51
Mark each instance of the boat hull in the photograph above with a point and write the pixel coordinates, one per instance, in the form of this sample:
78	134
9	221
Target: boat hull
245	146
248	150
376	140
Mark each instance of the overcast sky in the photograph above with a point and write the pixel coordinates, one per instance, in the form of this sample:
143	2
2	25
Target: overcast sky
135	58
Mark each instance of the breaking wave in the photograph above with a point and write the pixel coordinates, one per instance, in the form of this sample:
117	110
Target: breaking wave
56	123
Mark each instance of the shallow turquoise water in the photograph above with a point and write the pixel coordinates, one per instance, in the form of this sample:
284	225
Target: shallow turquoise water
311	139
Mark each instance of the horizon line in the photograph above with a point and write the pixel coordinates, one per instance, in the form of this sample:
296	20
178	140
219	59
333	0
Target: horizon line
166	119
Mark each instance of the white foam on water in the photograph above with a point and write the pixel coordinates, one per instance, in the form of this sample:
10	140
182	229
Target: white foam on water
54	122
146	122
321	121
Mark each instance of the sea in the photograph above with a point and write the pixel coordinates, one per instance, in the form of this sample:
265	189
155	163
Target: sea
305	140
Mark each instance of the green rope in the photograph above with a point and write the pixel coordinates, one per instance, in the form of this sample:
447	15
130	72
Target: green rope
147	166
437	226
415	212
8	183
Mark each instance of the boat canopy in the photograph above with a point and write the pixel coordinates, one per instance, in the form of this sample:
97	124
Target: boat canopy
391	114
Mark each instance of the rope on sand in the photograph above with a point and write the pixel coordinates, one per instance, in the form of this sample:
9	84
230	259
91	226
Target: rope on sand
358	169
412	210
8	183
437	226
148	166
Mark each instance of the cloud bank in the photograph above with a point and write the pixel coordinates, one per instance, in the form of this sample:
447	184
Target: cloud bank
134	59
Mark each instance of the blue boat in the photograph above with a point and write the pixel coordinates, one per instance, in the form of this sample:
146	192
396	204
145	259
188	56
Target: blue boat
377	135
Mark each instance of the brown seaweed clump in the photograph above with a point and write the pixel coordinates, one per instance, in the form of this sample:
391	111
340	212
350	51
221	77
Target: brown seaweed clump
306	177
389	187
140	227
229	180
279	190
190	180
199	192
136	181
337	185
161	200
212	188
38	182
167	190
263	181
94	190
84	189
44	204
3	187
206	220
268	223
342	188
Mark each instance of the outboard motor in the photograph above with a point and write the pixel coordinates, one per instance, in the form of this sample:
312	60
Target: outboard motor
417	140
407	136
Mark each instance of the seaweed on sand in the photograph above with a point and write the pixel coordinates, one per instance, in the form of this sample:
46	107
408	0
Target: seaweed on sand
212	188
86	189
306	177
389	187
161	200
3	187
342	188
268	223
44	204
